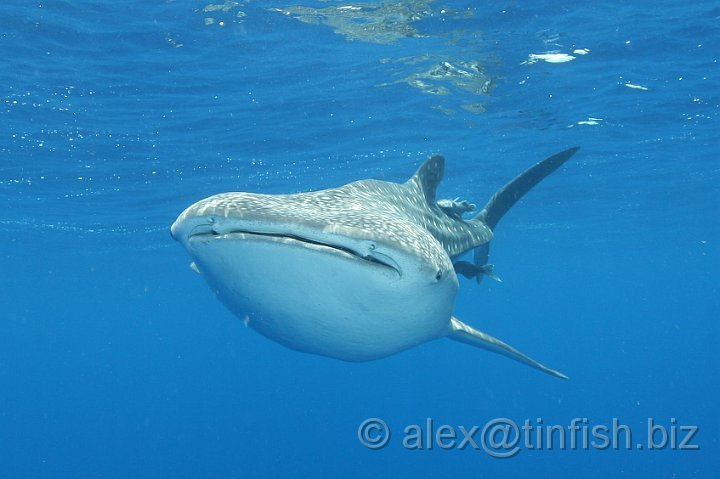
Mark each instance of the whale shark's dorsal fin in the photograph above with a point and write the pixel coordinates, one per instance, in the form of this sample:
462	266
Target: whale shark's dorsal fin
509	194
428	177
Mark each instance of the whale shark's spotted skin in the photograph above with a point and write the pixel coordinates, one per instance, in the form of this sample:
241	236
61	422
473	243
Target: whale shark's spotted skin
368	208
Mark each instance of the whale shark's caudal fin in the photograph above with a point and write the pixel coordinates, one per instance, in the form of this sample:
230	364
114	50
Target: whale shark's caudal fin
463	333
508	195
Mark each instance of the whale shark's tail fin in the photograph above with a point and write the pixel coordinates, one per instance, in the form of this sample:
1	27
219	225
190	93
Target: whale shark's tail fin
460	331
508	195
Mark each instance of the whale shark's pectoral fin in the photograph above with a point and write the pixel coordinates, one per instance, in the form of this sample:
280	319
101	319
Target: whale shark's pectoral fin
471	271
463	333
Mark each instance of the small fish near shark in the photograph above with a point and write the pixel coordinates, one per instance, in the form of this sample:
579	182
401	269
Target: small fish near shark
358	272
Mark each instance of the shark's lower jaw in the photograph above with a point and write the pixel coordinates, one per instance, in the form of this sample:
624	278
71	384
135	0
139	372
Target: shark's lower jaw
320	298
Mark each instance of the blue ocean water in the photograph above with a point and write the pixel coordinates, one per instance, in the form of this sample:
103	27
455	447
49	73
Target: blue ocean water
117	361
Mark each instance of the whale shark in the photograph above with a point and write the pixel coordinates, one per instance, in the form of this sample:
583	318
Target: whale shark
358	272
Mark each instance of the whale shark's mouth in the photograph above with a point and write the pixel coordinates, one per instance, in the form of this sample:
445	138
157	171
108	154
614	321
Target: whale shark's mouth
374	258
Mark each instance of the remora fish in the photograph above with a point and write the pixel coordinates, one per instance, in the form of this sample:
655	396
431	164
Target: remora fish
356	273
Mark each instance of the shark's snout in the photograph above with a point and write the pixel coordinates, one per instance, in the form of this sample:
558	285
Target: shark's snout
377	240
183	228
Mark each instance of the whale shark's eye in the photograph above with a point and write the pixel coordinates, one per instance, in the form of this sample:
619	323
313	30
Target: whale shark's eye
438	275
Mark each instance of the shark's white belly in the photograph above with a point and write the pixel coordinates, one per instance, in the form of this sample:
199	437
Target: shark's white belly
319	300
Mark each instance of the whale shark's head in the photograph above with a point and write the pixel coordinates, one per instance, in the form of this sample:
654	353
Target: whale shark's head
331	272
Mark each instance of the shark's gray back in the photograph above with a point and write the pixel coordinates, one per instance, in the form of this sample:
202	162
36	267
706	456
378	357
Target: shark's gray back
403	213
409	201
